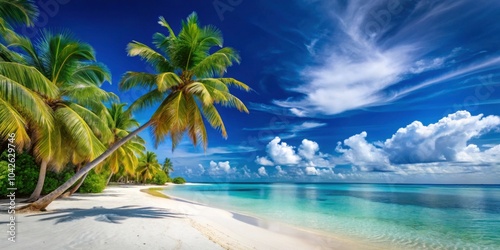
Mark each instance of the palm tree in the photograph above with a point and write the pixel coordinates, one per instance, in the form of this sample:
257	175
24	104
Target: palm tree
70	66
187	86
167	167
126	157
148	167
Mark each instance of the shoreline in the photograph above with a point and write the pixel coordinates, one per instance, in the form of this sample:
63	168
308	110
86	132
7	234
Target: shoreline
124	216
319	239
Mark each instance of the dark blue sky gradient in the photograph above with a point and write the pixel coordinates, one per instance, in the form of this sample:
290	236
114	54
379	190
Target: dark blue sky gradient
290	52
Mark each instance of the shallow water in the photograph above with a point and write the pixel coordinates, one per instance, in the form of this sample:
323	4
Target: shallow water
399	216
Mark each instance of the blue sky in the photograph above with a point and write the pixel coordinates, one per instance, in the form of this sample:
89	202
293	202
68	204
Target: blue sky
344	91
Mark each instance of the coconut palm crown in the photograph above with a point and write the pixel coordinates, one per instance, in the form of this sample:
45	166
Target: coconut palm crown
188	81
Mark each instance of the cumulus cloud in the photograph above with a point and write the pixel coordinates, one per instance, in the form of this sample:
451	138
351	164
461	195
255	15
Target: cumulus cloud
262	171
445	141
311	171
280	172
264	161
308	149
220	168
363	154
281	153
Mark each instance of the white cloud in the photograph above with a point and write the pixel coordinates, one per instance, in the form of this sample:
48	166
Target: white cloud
445	140
368	54
282	153
262	171
307	126
220	168
311	171
263	161
298	112
308	149
280	172
418	147
307	158
343	83
473	154
363	154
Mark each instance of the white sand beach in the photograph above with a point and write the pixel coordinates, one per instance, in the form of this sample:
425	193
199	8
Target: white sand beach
123	217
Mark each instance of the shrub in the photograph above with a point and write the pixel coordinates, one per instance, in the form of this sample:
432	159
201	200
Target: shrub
4	171
160	178
94	183
27	176
179	180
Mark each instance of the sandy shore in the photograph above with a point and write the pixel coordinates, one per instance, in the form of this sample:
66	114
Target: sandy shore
123	217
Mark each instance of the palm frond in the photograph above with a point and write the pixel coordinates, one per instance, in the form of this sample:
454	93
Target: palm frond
137	79
170	117
7	55
167	80
12	121
87	143
234	82
149	55
165	24
25	100
99	127
146	100
91	72
87	94
199	89
213	117
62	54
196	128
29	77
48	143
216	63
19	11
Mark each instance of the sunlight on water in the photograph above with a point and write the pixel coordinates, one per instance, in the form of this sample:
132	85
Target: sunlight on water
406	216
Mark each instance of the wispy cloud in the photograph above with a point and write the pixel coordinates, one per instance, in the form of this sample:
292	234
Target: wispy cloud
377	52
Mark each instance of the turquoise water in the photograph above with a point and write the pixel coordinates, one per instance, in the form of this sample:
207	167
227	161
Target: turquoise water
398	216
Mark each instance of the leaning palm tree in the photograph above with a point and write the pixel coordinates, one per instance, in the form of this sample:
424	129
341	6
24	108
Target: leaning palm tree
167	166
148	167
188	84
69	65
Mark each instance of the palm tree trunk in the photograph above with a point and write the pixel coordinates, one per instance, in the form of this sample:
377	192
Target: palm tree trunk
109	177
42	203
39	185
75	188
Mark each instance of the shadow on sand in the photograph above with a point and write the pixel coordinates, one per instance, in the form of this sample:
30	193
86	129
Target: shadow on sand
109	215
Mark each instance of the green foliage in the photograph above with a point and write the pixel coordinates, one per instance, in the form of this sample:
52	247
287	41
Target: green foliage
27	176
160	178
188	81
179	180
94	183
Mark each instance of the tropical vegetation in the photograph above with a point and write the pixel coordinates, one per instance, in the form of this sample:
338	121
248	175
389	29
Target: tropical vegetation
50	95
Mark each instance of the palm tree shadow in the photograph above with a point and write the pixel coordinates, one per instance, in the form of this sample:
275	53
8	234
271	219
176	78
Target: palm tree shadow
109	215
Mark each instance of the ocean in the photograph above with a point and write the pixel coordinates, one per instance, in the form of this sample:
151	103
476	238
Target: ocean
393	215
